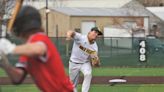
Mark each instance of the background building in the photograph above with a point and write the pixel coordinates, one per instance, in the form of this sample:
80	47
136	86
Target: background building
82	19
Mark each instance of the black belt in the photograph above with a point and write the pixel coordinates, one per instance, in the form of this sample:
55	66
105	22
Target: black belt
75	62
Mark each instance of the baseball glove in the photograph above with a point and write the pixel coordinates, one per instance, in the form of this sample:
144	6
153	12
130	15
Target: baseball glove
94	60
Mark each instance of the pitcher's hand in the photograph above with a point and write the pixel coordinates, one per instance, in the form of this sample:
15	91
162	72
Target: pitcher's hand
69	35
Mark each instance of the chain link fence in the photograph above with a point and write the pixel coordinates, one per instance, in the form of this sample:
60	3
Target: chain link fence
116	52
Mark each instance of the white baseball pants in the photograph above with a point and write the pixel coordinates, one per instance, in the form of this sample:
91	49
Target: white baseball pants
74	72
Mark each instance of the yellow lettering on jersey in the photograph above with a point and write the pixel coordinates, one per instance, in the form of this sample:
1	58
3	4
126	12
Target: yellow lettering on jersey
88	51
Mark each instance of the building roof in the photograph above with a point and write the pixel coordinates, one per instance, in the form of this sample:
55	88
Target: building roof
153	18
98	12
158	11
134	4
94	3
78	3
138	7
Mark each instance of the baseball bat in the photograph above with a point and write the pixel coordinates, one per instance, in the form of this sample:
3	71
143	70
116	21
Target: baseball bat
15	12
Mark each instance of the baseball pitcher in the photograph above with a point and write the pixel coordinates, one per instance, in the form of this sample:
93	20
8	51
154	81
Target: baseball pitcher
84	55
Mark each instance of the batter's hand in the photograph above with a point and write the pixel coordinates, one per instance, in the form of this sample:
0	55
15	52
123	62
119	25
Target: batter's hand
6	46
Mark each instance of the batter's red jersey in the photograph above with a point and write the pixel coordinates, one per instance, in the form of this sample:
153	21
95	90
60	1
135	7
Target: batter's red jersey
47	71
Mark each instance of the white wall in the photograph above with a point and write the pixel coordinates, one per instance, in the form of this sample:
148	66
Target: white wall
86	26
116	32
146	25
120	37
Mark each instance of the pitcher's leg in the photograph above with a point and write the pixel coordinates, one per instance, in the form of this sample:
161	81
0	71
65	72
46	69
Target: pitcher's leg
86	69
74	72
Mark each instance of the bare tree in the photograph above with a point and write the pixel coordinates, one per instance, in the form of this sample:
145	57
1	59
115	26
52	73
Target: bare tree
152	2
2	8
7	7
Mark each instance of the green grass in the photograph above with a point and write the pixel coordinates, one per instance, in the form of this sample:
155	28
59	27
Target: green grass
18	88
127	71
128	88
105	71
120	71
94	88
2	73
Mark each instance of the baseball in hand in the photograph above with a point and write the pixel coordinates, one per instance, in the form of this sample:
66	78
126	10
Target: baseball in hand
69	35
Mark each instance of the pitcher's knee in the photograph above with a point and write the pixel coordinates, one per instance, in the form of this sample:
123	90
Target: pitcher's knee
88	74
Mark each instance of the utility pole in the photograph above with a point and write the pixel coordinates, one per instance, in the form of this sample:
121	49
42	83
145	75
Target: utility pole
47	11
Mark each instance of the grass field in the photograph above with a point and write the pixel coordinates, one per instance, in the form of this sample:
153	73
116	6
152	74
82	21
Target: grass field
127	88
94	88
18	88
127	71
106	71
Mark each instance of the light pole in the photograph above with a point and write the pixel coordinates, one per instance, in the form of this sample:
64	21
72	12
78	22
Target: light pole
47	11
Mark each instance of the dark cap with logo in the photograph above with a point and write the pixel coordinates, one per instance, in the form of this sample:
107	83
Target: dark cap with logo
97	30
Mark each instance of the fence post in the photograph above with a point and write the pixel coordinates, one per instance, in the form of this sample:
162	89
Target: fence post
111	46
67	48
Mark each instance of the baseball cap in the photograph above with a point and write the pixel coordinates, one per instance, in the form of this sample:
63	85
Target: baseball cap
97	30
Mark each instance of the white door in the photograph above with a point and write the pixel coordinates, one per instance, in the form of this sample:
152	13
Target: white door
146	25
86	26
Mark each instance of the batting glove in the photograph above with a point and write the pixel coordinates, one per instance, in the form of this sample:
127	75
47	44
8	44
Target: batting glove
6	46
3	60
